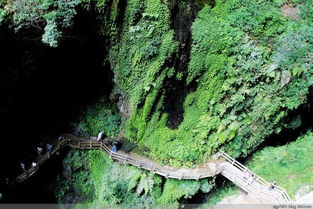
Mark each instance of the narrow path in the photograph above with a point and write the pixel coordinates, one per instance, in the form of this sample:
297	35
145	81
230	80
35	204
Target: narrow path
252	183
225	165
209	169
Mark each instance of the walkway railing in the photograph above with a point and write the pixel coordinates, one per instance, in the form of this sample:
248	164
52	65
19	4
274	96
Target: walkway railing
236	172
168	172
229	167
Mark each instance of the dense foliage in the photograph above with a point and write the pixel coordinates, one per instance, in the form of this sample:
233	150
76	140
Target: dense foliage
145	46
91	177
101	116
250	70
252	65
50	15
291	165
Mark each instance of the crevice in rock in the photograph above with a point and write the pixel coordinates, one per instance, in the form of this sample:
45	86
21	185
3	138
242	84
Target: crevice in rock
121	8
183	14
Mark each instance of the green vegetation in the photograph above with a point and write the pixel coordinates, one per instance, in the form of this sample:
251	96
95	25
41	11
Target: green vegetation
291	165
250	62
76	183
53	15
91	177
101	116
249	71
220	193
146	44
3	12
252	66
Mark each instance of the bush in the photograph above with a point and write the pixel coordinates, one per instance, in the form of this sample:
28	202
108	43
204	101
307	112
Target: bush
27	13
52	34
152	49
252	68
55	14
290	165
101	116
3	14
95	179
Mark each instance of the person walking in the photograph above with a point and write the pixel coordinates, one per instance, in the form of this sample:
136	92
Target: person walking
272	185
99	136
114	148
246	175
23	167
250	179
49	147
116	145
61	138
39	151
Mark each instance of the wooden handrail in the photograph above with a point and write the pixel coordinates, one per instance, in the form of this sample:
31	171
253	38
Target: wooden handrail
278	193
231	168
77	143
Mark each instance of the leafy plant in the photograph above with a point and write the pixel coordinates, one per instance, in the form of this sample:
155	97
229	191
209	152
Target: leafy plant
101	116
290	164
252	68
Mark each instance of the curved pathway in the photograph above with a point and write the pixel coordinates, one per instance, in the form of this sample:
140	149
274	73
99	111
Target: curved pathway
209	169
226	165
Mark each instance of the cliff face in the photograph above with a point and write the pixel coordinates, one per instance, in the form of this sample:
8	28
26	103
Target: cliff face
195	76
202	75
189	78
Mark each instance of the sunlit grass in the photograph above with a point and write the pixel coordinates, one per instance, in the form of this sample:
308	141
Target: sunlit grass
291	166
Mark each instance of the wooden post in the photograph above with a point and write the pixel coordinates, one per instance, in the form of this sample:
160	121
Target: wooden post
126	159
58	147
90	144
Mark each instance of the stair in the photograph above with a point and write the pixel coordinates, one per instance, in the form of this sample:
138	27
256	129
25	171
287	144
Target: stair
236	172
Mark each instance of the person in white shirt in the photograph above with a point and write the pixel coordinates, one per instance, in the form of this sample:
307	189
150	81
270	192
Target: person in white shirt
39	151
100	136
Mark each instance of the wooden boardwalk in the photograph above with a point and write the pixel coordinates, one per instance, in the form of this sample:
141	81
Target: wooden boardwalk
237	173
209	169
225	165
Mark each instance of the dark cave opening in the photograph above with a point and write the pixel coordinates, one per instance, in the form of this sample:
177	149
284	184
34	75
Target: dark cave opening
43	90
194	202
121	6
183	14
